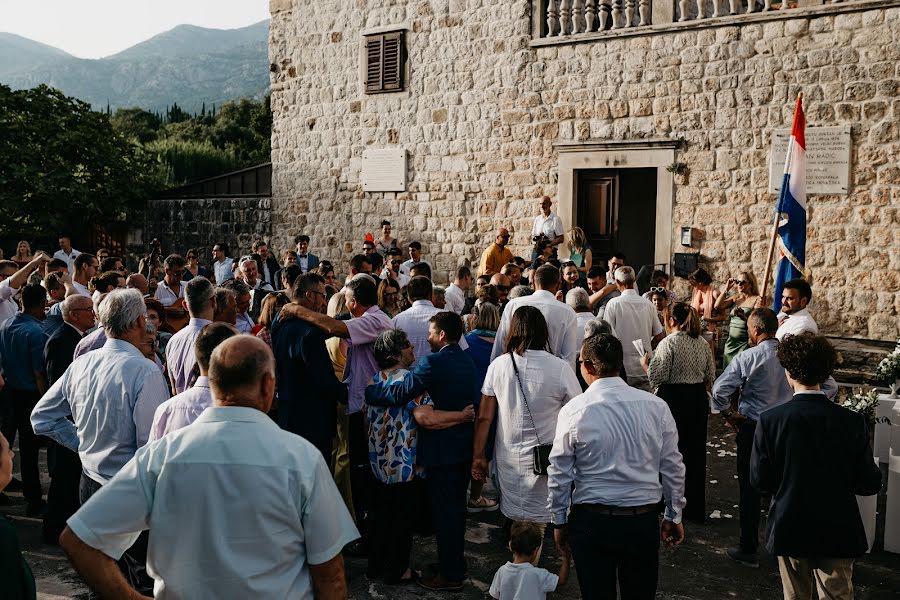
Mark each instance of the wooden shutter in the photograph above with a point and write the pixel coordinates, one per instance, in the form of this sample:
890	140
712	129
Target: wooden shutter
384	62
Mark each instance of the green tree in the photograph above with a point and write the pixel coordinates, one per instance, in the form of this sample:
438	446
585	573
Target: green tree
136	123
187	160
62	164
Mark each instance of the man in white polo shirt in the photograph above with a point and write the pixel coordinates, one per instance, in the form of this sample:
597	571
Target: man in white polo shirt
549	224
794	317
67	253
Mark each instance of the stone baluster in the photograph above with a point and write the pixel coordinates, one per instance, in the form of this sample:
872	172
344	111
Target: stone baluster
784	4
565	17
604	14
683	10
751	6
644	11
734	6
701	9
552	18
616	14
629	13
590	14
715	12
578	17
767	6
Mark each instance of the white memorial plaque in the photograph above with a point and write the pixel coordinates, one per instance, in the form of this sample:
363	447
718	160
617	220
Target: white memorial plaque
827	159
384	170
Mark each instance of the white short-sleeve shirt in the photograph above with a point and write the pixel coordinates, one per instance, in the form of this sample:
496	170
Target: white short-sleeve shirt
796	324
523	581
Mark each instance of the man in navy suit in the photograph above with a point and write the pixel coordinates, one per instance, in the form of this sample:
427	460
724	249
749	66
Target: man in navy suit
306	260
814	457
449	376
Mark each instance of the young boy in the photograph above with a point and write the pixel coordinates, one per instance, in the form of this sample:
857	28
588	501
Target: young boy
521	579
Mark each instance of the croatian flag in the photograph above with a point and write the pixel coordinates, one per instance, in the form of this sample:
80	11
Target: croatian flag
791	212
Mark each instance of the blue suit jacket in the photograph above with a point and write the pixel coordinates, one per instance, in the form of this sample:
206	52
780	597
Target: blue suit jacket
451	379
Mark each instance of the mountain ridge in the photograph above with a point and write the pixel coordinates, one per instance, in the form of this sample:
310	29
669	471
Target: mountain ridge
188	64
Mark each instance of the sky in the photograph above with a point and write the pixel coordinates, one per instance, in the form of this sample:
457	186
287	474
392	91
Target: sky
98	28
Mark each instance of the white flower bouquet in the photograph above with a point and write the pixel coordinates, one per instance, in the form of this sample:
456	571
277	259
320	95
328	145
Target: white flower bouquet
865	402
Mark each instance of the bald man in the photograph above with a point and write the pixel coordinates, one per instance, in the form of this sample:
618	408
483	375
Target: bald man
232	461
496	255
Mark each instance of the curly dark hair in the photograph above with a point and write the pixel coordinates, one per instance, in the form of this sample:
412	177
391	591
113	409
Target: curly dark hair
808	358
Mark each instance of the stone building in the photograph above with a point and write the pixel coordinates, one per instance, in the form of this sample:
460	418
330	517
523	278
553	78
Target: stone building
590	101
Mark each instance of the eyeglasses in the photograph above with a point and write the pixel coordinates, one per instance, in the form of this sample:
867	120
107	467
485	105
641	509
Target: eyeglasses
658	290
396	262
323	294
504	237
741	282
502	288
80	309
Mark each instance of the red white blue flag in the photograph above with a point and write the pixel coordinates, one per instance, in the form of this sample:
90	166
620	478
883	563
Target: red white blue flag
791	211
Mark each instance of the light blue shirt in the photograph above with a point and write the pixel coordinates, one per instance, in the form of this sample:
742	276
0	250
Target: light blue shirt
112	394
759	376
237	507
223	270
180	356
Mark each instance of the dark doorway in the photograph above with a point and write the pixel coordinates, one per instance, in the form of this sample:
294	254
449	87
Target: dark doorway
616	208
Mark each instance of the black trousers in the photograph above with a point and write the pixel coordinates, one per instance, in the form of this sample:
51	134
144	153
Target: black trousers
361	478
447	487
393	512
749	496
16	416
690	409
133	563
609	549
62	498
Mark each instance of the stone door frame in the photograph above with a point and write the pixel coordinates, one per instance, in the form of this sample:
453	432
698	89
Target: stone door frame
624	154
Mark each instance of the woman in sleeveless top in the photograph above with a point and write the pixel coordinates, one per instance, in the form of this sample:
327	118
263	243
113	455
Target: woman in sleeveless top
703	301
740	294
580	253
386	242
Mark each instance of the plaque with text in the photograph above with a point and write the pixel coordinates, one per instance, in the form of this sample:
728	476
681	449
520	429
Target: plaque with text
827	159
384	170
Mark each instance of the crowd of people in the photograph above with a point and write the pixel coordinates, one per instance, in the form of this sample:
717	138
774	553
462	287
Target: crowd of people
233	430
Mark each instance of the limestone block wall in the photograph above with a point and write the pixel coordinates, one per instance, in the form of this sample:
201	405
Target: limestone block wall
483	108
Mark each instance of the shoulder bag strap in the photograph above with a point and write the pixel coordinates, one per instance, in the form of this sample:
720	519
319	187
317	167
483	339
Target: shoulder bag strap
524	398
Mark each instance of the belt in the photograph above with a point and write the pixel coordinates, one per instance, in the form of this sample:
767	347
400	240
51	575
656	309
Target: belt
618	511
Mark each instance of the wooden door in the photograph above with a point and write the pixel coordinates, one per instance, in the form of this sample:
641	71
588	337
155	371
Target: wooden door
597	210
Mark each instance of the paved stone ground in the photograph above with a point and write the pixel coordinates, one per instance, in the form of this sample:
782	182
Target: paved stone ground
698	570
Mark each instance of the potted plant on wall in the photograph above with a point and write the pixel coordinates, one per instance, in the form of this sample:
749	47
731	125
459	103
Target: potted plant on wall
889	370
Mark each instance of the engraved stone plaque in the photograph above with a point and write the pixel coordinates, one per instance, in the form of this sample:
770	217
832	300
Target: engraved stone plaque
827	159
384	170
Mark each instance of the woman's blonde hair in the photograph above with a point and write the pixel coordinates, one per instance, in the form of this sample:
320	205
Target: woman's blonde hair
753	287
337	305
577	239
27	245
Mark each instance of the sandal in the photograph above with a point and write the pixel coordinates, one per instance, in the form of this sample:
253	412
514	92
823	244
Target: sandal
482	504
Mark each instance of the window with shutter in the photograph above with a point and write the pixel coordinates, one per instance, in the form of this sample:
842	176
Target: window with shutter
384	62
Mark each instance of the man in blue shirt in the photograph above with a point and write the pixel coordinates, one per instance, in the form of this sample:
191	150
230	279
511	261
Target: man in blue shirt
22	341
308	391
757	378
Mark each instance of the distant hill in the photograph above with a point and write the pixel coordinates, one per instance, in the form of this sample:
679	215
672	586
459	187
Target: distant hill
189	65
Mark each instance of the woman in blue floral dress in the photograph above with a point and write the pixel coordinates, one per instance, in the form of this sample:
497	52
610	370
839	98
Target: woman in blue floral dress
393	433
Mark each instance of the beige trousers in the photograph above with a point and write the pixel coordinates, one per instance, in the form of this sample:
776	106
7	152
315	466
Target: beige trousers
829	578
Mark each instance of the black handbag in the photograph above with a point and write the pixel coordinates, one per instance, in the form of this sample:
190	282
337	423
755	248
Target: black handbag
541	452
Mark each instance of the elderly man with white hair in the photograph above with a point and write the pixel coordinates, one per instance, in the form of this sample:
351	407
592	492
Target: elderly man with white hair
111	395
633	318
580	302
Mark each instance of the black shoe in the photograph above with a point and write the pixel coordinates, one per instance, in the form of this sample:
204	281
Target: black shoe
14	485
742	557
36	509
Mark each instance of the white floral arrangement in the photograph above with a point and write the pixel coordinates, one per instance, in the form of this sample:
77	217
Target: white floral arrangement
889	368
865	402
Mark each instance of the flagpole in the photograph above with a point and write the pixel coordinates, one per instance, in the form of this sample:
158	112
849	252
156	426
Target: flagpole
774	236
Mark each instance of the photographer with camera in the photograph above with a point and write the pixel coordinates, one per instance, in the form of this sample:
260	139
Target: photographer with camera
547	225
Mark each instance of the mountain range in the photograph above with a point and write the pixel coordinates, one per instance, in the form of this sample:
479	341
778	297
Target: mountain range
189	65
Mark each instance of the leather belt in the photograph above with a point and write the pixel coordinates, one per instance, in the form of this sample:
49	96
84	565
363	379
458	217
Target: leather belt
618	511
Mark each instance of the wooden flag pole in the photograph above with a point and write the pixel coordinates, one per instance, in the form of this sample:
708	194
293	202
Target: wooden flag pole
774	237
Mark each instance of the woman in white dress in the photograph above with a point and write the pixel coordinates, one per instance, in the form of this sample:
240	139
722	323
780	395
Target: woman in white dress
523	422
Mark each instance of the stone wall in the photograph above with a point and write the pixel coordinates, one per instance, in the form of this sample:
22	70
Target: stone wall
201	223
484	106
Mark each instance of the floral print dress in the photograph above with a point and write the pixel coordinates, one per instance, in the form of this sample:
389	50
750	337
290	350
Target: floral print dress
393	434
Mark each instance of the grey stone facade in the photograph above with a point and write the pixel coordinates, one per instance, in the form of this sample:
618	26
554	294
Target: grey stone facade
487	107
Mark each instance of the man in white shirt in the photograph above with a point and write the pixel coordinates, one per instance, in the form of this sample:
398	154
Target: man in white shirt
414	320
415	257
67	253
794	317
170	290
233	451
200	298
259	289
223	267
562	323
455	294
11	279
548	224
619	447
633	318
86	266
184	408
392	267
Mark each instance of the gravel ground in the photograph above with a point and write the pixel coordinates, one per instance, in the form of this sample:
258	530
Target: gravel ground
698	570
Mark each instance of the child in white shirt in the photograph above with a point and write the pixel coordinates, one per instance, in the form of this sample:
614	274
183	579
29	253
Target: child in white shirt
521	579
